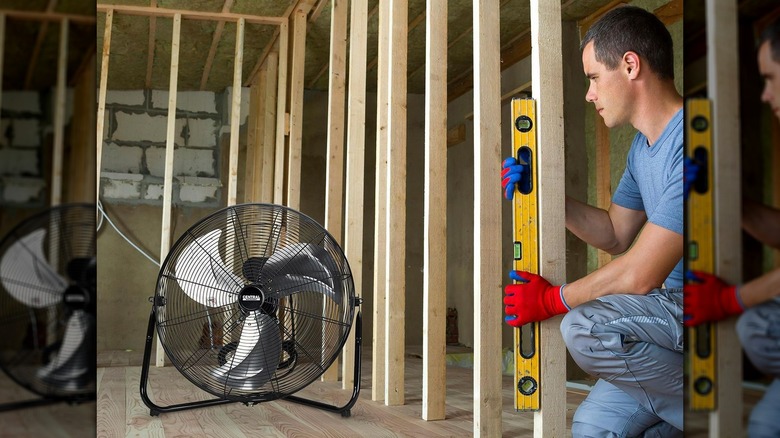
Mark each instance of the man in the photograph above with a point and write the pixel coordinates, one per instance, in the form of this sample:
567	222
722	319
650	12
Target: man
710	299
622	326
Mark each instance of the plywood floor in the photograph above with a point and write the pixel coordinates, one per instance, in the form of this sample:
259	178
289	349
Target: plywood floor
120	411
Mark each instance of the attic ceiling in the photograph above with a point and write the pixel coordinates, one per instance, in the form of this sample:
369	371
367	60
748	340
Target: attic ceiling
32	42
130	40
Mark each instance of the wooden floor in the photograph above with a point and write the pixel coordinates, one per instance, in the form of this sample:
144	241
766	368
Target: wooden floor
120	411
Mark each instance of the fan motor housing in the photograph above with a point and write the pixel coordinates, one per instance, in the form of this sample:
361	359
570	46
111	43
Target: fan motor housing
251	298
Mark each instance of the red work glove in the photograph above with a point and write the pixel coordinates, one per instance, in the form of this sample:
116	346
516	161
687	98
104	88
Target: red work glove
707	298
535	299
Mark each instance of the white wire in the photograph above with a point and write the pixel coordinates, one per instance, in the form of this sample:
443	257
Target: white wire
103	215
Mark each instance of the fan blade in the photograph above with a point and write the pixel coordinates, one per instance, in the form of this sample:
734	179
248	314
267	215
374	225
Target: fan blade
202	275
26	275
257	356
70	362
303	267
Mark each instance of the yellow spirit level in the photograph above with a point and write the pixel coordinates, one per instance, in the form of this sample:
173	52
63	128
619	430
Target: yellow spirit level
526	251
701	345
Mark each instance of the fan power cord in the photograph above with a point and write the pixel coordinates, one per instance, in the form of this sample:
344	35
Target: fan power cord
104	215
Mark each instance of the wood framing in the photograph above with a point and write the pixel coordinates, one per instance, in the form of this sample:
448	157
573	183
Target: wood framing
214	42
298	58
334	165
723	90
165	236
37	47
380	197
435	214
59	116
603	176
254	134
268	120
546	80
17	14
235	114
148	11
356	152
281	116
101	110
150	50
81	185
487	221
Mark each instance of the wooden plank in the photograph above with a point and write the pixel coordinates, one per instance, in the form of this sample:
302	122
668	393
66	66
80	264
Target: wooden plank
395	254
356	157
254	134
214	43
380	197
334	165
603	177
487	221
456	135
435	213
101	109
317	10
281	116
270	46
148	11
138	421
165	237
723	89
150	50
298	58
37	46
235	114
81	185
410	27
111	409
546	79
59	116
670	13
269	129
52	16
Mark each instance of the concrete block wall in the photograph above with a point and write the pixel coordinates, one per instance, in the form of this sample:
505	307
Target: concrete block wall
133	162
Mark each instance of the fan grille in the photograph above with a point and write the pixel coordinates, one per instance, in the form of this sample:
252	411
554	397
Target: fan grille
254	302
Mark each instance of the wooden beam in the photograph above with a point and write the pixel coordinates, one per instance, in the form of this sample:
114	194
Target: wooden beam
214	43
268	138
37	47
603	176
59	116
150	50
334	165
670	13
165	236
254	135
147	11
281	116
435	213
356	156
50	16
235	114
588	21
274	41
380	197
395	254
411	26
81	184
87	61
487	221
296	111
546	80
101	110
723	89
317	10
456	135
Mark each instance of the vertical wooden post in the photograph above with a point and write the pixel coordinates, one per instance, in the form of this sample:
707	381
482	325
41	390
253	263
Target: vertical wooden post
487	220
269	129
603	176
395	255
723	89
254	135
356	155
59	116
380	214
435	213
281	115
334	179
165	237
81	184
101	110
547	77
235	114
296	111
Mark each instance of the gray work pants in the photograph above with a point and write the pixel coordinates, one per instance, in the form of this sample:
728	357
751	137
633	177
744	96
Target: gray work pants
634	345
759	331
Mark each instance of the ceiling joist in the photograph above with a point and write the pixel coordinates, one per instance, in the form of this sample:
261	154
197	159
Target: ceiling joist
48	16
189	15
38	44
214	43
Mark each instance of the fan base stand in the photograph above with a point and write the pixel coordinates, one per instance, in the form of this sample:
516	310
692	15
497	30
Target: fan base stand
155	410
45	401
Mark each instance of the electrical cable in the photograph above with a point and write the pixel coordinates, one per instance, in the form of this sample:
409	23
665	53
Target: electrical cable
103	215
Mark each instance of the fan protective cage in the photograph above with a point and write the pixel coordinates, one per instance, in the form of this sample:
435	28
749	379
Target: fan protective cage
47	302
254	302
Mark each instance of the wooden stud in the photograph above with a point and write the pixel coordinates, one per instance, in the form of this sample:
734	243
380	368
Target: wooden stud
214	43
546	79
723	90
269	129
410	27
235	114
2	55
165	237
456	135
296	111
435	213
37	47
356	156
17	14
150	50
147	11
59	116
603	176
273	43
101	110
281	116
81	187
380	197
670	13
254	134
334	165
487	221
317	10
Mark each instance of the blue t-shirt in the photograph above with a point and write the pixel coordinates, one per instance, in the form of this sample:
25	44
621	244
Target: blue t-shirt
653	182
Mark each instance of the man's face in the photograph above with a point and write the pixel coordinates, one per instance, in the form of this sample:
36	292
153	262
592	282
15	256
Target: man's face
607	89
770	71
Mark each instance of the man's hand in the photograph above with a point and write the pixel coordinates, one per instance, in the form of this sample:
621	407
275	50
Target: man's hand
690	173
708	298
511	173
535	299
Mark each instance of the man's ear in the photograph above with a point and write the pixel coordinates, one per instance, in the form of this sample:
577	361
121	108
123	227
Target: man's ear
632	64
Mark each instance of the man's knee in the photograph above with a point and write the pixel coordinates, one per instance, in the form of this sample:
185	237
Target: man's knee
755	333
586	348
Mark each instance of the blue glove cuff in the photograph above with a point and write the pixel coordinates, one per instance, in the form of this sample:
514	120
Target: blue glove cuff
563	300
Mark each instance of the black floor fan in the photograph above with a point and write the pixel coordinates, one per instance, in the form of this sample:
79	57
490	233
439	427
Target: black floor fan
253	303
47	306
